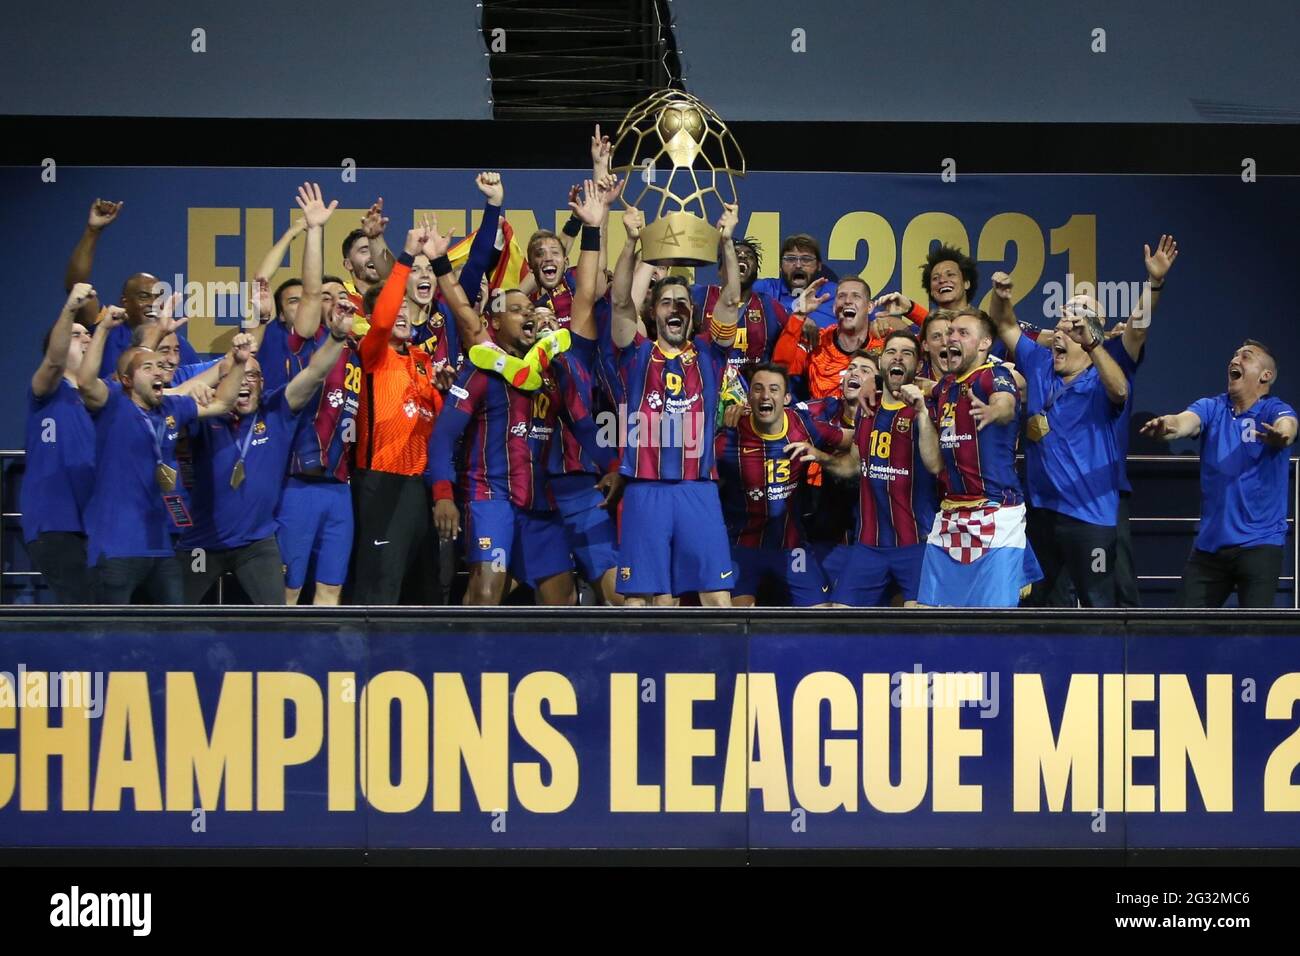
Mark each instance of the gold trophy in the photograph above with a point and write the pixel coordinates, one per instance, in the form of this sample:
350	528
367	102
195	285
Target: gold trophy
680	151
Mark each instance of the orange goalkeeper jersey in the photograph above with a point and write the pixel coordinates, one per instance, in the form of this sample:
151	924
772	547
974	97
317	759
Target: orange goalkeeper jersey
399	401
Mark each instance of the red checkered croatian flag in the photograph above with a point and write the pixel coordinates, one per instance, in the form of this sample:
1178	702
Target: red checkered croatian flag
967	534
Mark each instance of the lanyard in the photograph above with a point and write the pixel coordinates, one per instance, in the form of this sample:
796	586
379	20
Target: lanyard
248	439
155	432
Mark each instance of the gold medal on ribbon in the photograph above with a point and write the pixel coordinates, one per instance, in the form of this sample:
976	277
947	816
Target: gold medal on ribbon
237	476
165	475
1037	427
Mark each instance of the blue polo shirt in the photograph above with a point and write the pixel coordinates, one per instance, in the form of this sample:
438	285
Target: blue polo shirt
776	288
1075	468
127	516
274	355
226	517
60	462
119	340
1243	482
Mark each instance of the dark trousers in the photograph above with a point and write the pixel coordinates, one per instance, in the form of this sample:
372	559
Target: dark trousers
1068	547
258	567
60	556
396	554
1210	576
118	579
1126	584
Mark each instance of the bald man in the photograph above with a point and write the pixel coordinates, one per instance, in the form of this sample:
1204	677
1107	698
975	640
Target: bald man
240	463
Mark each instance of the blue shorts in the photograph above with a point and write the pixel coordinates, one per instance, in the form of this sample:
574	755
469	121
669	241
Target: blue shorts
593	539
797	568
831	557
531	545
313	525
865	574
673	539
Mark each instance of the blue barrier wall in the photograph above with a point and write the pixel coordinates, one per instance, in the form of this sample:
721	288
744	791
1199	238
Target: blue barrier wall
651	730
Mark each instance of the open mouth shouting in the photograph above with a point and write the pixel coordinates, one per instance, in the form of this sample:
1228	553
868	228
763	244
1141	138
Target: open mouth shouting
550	274
675	324
1235	372
950	357
402	326
897	376
945	291
424	291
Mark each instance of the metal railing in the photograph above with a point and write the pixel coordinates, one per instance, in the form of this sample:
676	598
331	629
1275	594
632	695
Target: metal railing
8	455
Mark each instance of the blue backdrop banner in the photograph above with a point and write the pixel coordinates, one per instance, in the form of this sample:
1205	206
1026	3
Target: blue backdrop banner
204	231
604	732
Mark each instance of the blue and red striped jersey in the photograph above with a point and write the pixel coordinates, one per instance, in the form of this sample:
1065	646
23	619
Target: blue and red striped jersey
561	300
978	465
327	430
582	445
758	480
759	325
672	403
438	335
897	496
507	433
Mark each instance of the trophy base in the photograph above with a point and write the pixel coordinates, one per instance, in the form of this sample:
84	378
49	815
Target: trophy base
679	239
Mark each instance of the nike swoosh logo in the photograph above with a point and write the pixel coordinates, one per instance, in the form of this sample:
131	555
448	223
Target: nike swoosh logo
826	590
726	574
378	543
746	451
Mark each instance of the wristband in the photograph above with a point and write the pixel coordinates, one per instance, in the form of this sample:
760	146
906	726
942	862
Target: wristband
442	491
590	239
1091	346
338	338
441	266
1156	288
572	227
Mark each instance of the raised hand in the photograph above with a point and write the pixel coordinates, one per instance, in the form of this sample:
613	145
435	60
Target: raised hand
1002	285
808	301
633	222
80	294
314	211
1079	331
892	303
167	308
609	187
102	212
110	317
729	220
1161	261
587	206
600	148
242	347
340	321
435	243
264	301
491	186
416	238
374	222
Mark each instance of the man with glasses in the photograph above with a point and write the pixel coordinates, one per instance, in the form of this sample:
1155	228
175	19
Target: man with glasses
801	264
761	317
